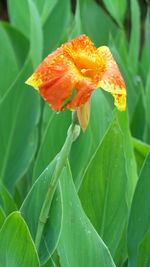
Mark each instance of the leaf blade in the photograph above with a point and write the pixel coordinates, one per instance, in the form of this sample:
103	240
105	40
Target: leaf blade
16	251
77	227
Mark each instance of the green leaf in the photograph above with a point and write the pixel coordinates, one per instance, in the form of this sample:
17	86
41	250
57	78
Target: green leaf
2	217
7	59
19	15
79	243
134	45
31	209
139	221
36	35
49	263
19	42
139	113
121	251
144	248
116	9
131	170
147	107
121	44
45	8
6	201
23	185
99	25
141	151
48	148
76	28
16	245
101	116
106	177
55	25
18	129
131	167
145	51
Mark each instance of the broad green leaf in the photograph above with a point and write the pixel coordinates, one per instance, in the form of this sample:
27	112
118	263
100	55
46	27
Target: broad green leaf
95	22
120	42
36	35
134	45
131	170
20	114
56	259
139	221
47	115
145	67
6	201
121	251
23	185
19	15
50	263
101	116
139	113
116	9
141	150
19	42
31	209
2	216
147	108
22	17
16	245
131	167
55	25
45	8
144	248
52	139
7	58
79	244
104	188
76	28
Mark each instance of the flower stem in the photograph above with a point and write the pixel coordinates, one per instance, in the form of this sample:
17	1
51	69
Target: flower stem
73	133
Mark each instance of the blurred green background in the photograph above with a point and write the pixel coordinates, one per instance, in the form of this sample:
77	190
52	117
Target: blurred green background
109	163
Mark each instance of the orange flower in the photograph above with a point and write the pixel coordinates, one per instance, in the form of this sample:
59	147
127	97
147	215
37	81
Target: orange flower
67	77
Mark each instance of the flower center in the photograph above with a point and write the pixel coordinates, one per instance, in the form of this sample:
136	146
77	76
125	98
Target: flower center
86	64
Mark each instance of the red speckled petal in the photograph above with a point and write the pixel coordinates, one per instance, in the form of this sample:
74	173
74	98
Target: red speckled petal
79	46
59	73
84	88
112	80
54	78
80	67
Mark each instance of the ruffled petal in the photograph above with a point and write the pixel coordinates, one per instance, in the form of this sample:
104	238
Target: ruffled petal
60	72
54	78
111	80
67	77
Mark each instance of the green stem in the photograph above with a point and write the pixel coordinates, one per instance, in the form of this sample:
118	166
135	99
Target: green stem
73	133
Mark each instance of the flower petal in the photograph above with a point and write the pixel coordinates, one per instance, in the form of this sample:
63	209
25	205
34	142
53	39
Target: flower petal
112	80
58	74
83	113
55	77
67	77
84	88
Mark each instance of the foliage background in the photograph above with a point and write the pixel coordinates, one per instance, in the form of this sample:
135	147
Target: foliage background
100	215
